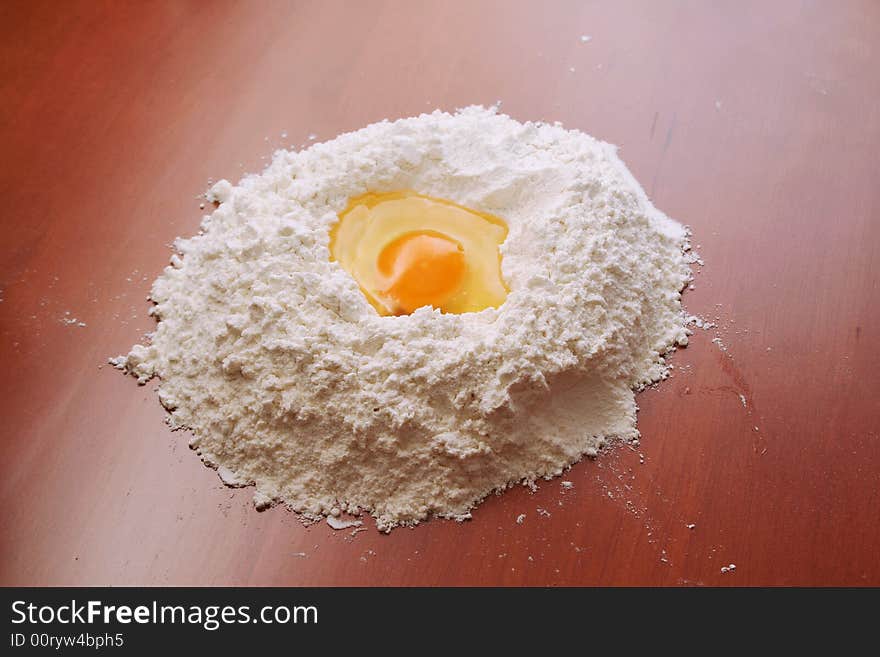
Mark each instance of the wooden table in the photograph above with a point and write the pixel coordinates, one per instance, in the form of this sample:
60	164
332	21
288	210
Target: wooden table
755	123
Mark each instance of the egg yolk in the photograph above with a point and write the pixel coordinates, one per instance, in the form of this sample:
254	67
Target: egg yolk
422	269
408	250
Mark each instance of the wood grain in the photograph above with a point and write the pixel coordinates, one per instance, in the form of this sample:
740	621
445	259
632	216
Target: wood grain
755	123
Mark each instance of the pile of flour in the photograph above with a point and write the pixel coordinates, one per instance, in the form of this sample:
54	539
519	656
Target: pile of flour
288	379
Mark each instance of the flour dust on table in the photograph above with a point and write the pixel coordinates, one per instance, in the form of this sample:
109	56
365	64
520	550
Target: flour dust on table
292	379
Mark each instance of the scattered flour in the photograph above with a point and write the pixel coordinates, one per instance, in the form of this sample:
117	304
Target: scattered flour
336	523
288	379
69	320
701	323
719	343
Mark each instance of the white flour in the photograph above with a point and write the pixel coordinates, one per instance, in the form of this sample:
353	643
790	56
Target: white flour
289	380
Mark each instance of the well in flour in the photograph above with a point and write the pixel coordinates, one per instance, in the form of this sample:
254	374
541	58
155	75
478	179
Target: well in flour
289	380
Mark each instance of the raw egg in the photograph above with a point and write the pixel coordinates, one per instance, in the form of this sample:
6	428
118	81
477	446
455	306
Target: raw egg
408	250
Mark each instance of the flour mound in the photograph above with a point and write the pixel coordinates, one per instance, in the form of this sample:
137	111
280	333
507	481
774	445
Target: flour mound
289	380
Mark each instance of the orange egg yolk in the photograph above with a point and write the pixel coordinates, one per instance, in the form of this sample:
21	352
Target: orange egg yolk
422	269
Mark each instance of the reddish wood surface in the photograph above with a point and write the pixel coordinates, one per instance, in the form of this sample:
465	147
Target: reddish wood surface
755	123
